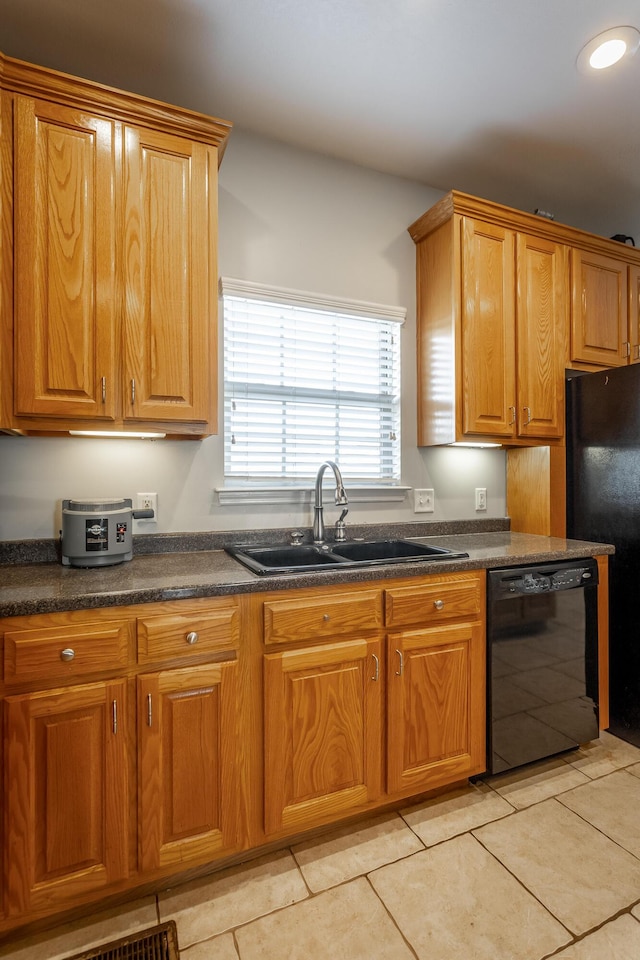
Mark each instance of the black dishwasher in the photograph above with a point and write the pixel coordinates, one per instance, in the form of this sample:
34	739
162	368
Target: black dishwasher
542	648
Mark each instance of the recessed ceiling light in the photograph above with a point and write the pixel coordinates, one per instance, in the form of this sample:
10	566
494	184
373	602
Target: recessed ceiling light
608	48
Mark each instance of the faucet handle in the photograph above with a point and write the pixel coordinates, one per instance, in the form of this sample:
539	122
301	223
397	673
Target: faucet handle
341	526
297	536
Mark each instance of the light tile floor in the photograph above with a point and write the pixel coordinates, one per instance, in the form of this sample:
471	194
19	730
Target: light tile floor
541	862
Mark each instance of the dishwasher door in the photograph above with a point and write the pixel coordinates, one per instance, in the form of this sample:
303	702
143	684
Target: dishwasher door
542	648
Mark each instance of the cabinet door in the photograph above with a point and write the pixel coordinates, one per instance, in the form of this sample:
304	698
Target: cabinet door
634	312
170	277
67	793
187	764
599	309
322	732
436	707
542	317
488	329
64	262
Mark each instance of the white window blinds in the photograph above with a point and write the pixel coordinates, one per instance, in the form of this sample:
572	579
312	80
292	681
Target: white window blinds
306	381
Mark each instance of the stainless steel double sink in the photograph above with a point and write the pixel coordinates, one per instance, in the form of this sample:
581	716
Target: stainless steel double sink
300	558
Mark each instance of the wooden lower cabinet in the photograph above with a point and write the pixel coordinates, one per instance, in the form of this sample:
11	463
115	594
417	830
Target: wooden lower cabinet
331	747
323	724
127	768
187	764
67	793
176	734
435	706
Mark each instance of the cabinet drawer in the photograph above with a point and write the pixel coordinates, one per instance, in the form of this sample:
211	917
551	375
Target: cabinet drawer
433	603
316	618
52	654
186	635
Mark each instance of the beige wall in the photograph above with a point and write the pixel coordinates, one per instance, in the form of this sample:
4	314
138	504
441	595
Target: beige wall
293	219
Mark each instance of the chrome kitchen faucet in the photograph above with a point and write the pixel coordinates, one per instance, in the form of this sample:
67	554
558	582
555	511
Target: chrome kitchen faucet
341	500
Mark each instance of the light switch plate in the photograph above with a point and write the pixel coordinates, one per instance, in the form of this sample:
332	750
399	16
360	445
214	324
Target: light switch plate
423	501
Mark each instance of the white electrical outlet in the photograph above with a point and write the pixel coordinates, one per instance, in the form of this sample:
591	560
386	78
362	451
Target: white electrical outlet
481	498
423	501
147	501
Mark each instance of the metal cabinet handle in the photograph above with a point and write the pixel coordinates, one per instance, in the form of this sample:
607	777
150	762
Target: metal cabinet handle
104	389
513	416
192	637
326	617
67	654
438	604
133	391
149	710
376	673
626	349
527	414
114	715
401	664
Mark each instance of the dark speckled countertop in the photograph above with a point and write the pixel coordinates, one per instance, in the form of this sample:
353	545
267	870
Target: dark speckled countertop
195	565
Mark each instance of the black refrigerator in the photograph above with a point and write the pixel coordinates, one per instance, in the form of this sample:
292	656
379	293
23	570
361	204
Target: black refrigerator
603	504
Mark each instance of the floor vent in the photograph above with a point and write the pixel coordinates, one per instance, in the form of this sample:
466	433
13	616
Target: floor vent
156	943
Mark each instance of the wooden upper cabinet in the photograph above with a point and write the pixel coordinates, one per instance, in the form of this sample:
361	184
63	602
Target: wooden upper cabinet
64	169
169	276
487	329
110	202
492	324
514	314
542	303
599	324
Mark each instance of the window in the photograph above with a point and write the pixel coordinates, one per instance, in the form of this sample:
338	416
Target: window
306	380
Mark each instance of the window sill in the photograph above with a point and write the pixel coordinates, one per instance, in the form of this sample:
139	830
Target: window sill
227	496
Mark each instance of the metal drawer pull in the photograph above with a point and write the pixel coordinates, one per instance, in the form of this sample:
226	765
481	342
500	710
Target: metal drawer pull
114	715
149	710
326	617
133	392
401	670
513	416
104	389
438	604
376	675
67	654
192	637
527	411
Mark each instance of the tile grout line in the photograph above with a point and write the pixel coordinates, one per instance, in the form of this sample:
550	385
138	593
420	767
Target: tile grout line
312	895
587	933
386	909
576	938
522	884
589	823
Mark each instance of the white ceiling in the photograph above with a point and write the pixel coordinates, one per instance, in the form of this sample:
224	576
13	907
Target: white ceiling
480	95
